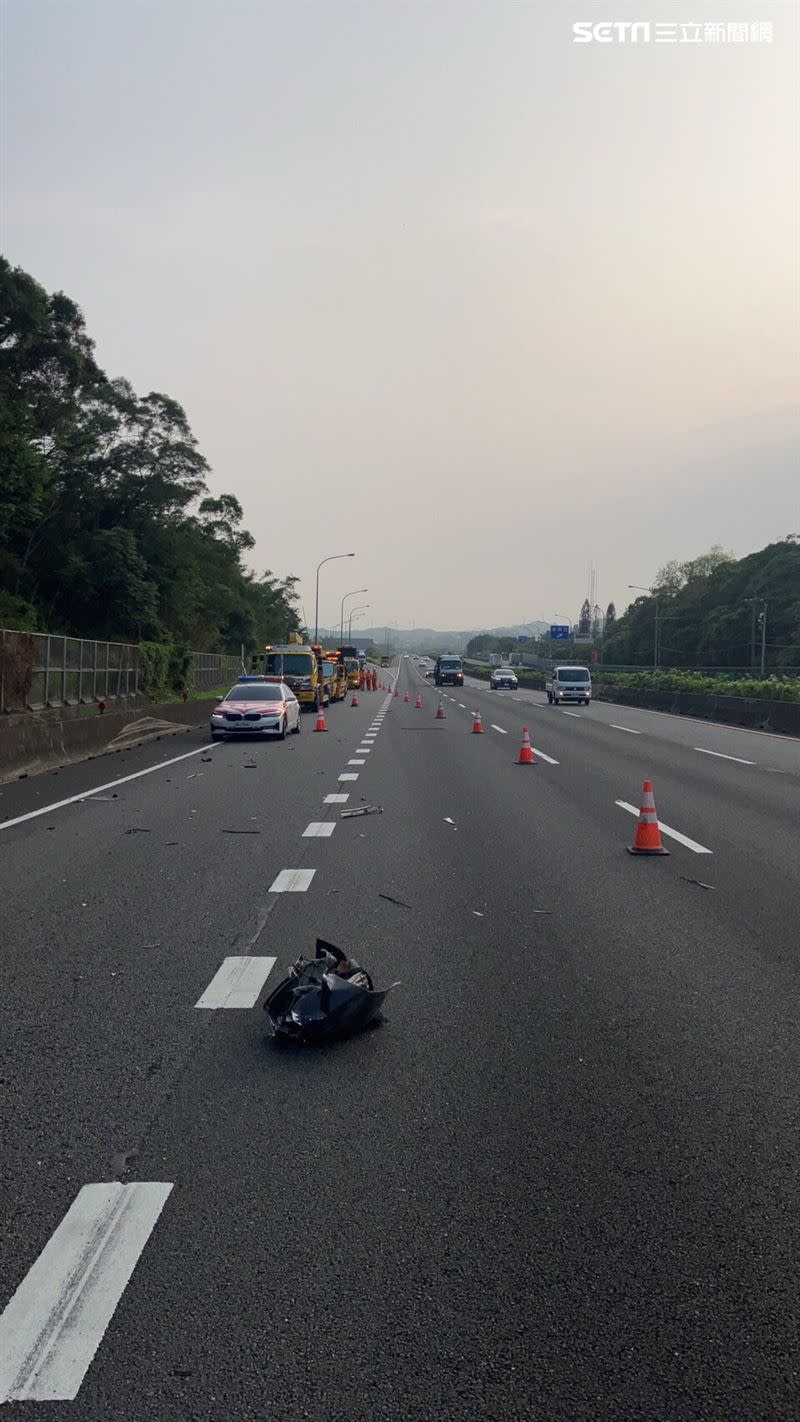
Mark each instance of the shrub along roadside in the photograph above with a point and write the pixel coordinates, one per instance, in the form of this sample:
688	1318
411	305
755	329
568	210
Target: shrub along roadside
165	670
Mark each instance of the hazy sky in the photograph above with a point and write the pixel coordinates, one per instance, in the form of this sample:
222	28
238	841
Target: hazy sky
433	282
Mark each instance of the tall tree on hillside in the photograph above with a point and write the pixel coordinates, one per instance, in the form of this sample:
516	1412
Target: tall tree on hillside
585	618
611	618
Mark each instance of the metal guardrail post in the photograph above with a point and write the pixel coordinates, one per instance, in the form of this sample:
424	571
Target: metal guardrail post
63	671
46	697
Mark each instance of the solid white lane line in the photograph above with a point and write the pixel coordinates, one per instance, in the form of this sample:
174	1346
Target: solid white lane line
720	756
624	728
349	775
292	881
98	789
52	1327
542	756
666	829
356	762
498	728
237	983
319	829
336	799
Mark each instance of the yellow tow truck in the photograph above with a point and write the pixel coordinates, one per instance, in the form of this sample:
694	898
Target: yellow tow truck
300	667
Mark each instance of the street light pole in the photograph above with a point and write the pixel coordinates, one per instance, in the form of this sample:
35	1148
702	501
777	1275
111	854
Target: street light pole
362	608
354	593
330	559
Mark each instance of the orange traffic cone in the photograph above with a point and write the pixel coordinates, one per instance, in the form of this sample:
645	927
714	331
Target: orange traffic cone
647	839
477	724
354	701
320	726
406	697
418	703
526	751
440	716
396	692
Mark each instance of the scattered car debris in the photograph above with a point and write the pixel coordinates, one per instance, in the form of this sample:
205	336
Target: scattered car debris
477	914
698	882
249	765
547	912
361	810
137	829
324	997
230	831
390	900
206	760
170	843
122	1161
99	799
195	775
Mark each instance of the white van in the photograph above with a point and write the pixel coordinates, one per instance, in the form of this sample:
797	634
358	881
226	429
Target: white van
569	684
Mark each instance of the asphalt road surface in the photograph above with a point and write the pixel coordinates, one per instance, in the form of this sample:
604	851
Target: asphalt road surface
559	1182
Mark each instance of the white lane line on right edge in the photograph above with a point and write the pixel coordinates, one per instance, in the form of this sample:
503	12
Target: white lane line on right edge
292	881
666	829
98	789
53	1325
498	728
720	756
629	730
237	983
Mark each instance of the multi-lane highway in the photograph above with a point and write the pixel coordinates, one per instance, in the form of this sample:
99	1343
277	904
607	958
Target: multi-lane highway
560	1182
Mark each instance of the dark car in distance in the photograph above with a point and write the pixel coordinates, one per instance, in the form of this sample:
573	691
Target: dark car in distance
449	671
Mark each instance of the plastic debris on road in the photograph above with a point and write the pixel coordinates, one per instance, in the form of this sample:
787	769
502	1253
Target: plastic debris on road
324	997
361	810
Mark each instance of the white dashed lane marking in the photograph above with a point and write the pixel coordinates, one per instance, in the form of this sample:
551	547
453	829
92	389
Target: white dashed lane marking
52	1327
319	829
542	756
237	983
719	755
498	728
336	799
349	775
292	881
666	829
576	714
629	730
356	762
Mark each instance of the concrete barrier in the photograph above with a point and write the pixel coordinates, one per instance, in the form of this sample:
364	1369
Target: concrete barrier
32	741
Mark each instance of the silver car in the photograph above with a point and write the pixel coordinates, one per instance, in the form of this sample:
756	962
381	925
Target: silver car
256	706
503	678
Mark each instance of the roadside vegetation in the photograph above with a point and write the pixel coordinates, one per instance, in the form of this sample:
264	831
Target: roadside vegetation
107	528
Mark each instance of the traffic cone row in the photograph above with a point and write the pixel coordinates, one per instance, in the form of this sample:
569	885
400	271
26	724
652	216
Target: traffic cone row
418	703
320	726
355	701
477	723
440	716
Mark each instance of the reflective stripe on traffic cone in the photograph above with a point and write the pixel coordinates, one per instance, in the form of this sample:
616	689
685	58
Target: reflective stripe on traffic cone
477	724
648	833
440	716
526	750
320	726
